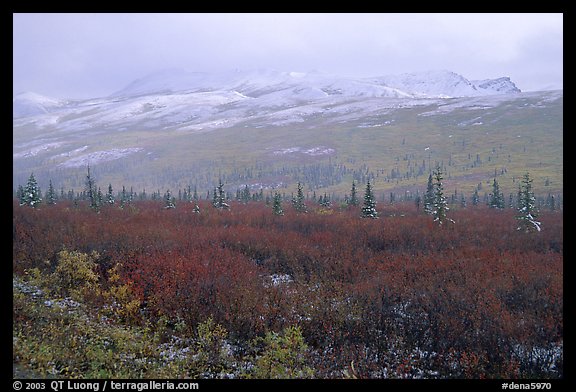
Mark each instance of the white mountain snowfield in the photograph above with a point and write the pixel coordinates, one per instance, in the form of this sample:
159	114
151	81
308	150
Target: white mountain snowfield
275	88
195	102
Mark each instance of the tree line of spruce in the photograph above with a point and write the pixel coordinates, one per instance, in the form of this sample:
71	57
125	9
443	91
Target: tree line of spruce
434	200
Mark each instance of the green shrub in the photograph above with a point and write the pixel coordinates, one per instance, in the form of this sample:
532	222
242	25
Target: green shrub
75	273
212	356
123	302
284	356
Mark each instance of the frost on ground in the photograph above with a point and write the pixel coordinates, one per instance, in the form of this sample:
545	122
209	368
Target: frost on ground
277	280
100	156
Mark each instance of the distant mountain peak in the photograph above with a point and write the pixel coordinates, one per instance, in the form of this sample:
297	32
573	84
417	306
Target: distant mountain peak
501	85
444	83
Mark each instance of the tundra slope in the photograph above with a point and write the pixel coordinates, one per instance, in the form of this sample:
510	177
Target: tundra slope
185	119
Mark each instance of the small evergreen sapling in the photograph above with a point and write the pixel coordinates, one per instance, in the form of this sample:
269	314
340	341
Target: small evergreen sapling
169	200
353	196
475	198
324	201
110	196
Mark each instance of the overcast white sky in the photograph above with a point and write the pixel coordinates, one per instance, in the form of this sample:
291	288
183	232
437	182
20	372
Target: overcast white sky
94	55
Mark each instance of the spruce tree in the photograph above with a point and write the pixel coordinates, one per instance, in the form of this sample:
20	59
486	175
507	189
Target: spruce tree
497	197
429	196
353	196
219	199
475	198
369	208
124	197
417	201
298	201
169	200
245	194
527	211
32	196
110	196
215	197
551	202
51	195
277	204
440	206
99	197
20	195
462	200
325	201
91	191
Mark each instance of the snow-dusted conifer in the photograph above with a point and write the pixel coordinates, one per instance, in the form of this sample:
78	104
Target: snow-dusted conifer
462	200
369	208
440	206
169	200
324	201
298	201
429	196
110	196
99	197
51	194
353	196
91	191
245	194
32	196
124	197
527	211
277	205
475	198
215	197
219	199
497	197
20	195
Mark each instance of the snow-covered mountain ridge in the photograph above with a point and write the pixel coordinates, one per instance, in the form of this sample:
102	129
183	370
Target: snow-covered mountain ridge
270	88
431	84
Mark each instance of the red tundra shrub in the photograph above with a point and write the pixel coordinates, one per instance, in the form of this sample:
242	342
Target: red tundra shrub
399	296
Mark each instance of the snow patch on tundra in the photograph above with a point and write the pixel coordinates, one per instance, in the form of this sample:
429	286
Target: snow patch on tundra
36	150
100	156
277	280
314	151
70	153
